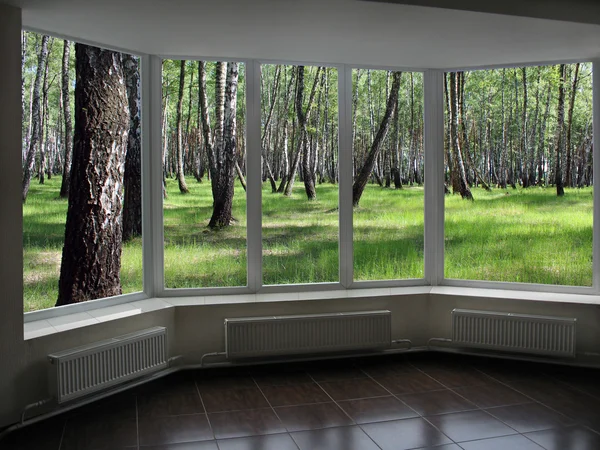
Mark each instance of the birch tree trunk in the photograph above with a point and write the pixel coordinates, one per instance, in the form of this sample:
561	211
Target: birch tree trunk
569	176
180	169
35	117
91	258
206	131
132	205
221	216
365	172
68	143
459	172
558	180
43	120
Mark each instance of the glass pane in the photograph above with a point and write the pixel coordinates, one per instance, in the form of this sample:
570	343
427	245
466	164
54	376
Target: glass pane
82	224
519	164
387	130
300	174
204	148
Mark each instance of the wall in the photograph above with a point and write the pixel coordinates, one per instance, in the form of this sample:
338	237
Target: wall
12	356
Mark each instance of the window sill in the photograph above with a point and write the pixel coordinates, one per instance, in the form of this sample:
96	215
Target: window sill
48	326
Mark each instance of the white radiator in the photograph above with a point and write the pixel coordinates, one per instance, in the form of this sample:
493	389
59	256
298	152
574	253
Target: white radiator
84	370
541	335
307	334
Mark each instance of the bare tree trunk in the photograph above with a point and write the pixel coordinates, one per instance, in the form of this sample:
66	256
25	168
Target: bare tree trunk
459	172
35	117
302	138
285	156
308	174
44	121
266	126
569	176
206	131
180	170
524	153
560	191
226	159
365	172
91	258
396	162
132	205
64	187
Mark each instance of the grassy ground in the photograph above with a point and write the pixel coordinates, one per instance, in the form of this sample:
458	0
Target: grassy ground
524	236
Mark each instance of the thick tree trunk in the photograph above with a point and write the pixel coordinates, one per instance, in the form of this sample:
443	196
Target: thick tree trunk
569	176
560	191
365	172
459	172
226	159
68	136
35	118
132	205
180	170
308	173
91	258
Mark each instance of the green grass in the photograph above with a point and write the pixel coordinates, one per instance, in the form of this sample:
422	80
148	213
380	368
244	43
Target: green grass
528	236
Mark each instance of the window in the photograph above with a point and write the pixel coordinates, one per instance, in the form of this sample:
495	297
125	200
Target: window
299	138
204	171
388	158
519	169
82	223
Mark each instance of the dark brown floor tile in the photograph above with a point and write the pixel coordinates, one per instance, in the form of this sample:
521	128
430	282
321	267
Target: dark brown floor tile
377	409
530	417
384	369
353	389
224	381
201	445
491	395
281	378
437	402
405	434
45	435
568	438
460	378
409	383
295	394
516	442
470	425
267	442
174	429
233	399
442	447
180	382
336	373
311	417
99	434
512	371
344	438
169	405
119	406
251	422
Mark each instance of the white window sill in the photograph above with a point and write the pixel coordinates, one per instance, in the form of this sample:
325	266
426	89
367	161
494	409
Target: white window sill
44	327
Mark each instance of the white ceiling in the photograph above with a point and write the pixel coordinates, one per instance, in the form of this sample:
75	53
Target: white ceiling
326	31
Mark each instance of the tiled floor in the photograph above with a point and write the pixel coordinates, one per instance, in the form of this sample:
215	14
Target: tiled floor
417	401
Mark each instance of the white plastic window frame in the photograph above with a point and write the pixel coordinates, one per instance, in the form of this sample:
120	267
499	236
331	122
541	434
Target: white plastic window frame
152	214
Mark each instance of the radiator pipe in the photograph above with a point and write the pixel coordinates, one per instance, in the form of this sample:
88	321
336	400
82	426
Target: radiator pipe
430	341
34	405
403	341
208	355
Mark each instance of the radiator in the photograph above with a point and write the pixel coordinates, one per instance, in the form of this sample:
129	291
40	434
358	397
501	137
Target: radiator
307	334
541	335
84	370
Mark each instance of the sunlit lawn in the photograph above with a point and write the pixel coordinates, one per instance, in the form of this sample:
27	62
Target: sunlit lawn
526	236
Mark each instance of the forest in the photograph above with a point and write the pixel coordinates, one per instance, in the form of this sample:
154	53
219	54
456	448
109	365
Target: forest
518	173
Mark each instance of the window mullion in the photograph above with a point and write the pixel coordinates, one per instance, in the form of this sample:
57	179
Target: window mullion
434	175
152	208
345	175
254	186
596	169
